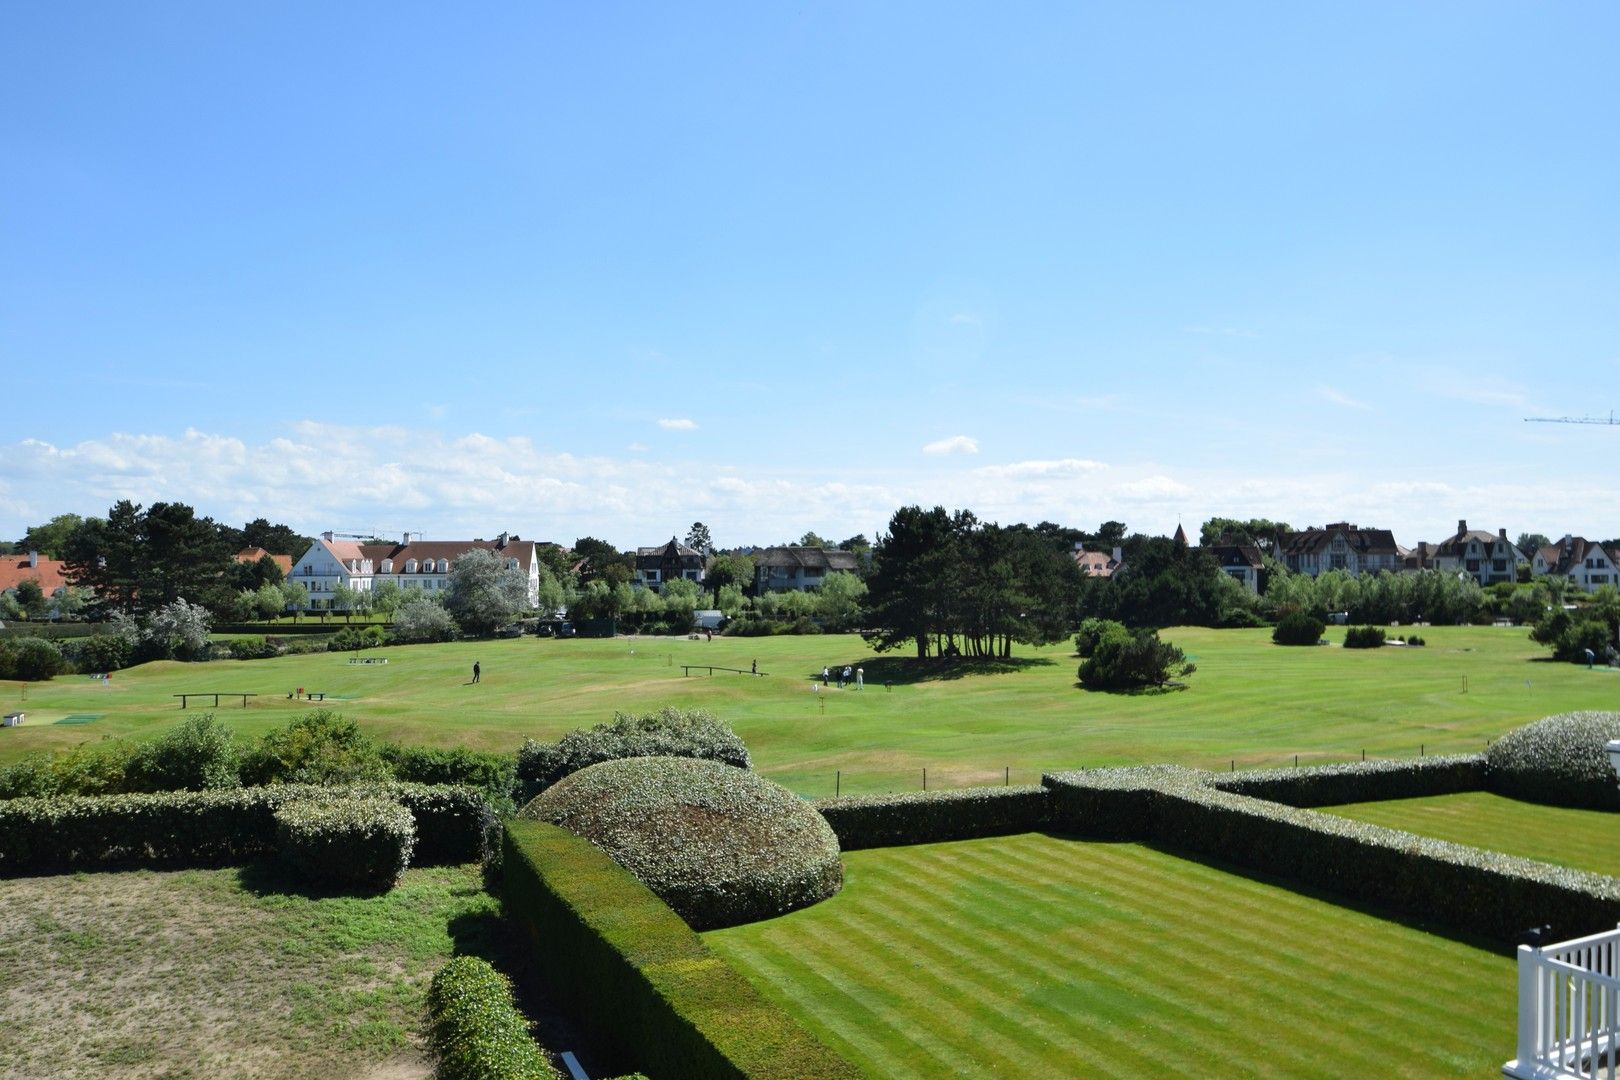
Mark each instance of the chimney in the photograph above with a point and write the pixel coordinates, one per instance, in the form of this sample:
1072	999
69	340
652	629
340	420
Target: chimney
1502	535
1462	526
500	541
33	560
327	536
1119	554
406	540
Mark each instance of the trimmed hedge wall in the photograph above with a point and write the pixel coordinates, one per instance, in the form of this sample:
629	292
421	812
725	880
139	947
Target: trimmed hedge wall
476	1031
362	843
1466	889
630	967
868	821
1559	760
185	828
1358	781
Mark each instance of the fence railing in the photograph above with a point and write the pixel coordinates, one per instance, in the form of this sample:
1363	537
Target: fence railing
1569	1010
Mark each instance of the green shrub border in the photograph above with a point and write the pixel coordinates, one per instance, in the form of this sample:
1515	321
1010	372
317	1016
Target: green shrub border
475	1028
1359	781
1468	890
869	821
638	976
213	828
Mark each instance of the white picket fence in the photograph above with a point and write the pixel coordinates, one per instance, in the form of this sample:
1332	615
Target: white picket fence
1569	1010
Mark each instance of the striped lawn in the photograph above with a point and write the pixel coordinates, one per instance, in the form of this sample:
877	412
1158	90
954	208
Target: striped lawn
1583	839
1040	957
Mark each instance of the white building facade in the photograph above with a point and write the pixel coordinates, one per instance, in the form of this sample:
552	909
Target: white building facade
412	564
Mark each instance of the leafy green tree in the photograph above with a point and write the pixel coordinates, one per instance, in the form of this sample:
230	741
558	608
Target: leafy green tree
71	604
1124	659
1530	543
723	570
730	600
1110	535
484	593
814	540
698	538
51	538
31	598
295	597
602	560
102	555
276	539
179	629
1257	532
345	598
386	598
913	580
838	601
422	619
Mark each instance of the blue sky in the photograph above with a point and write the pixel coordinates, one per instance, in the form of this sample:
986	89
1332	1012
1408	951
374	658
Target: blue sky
609	269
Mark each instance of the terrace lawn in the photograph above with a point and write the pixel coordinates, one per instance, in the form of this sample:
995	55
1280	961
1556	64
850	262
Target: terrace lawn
1583	839
1035	956
1251	701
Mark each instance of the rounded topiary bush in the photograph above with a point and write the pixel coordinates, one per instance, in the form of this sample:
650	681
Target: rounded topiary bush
668	732
1298	628
347	842
719	844
1364	637
477	1032
1559	760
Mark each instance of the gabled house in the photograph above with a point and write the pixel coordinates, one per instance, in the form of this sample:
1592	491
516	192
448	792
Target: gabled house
412	563
254	554
1582	562
781	568
1239	561
1340	546
1484	557
1096	563
50	574
656	565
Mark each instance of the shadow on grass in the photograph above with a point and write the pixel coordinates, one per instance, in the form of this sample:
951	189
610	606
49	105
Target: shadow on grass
1171	687
905	670
273	877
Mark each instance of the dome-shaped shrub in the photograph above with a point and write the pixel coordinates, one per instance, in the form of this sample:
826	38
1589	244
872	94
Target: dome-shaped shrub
1559	760
720	845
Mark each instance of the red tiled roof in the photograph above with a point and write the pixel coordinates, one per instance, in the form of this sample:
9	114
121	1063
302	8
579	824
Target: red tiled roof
50	573
254	554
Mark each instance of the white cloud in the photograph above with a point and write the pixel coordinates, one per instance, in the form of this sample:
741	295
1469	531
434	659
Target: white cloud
681	424
1152	487
637	448
956	444
1041	469
1339	397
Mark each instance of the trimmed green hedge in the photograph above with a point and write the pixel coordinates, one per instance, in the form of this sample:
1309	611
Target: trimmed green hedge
1558	760
1466	889
362	843
187	828
669	732
1359	781
868	821
629	968
719	844
1364	637
476	1031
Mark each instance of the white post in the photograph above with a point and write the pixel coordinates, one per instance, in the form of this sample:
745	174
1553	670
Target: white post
1529	1010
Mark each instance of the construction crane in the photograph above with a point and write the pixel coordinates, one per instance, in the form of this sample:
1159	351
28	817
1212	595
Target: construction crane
1611	421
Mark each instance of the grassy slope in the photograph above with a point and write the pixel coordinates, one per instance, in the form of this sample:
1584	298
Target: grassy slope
1035	956
1250	700
226	973
1584	839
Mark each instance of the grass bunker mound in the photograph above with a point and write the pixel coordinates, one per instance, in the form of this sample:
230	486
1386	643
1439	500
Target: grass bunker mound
1558	760
720	845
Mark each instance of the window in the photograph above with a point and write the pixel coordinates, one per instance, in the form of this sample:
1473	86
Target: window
388	566
651	575
410	566
1600	579
1338	561
444	566
1499	565
1473	566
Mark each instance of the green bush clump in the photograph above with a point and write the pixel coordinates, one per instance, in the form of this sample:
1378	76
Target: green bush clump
1469	890
927	817
719	844
476	1030
633	973
221	827
493	774
320	747
1573	634
1125	659
669	732
355	638
253	649
99	653
199	754
1413	639
1093	631
1358	781
1364	637
1298	628
1558	760
345	841
30	659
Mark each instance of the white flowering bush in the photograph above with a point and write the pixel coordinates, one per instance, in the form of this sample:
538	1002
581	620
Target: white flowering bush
1559	760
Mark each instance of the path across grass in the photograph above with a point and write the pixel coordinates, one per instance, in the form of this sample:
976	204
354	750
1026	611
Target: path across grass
1033	956
1250	701
1583	839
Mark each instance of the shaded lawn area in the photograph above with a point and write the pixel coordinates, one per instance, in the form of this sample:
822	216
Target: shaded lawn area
231	972
1035	956
1582	839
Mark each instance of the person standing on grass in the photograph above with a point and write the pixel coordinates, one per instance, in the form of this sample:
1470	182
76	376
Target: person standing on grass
753	669
843	677
860	678
826	676
477	671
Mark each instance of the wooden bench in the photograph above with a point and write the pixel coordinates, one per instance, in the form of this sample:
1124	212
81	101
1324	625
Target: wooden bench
215	696
687	670
368	659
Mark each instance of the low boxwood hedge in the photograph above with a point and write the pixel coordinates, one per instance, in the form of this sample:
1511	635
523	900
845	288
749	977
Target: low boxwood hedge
212	828
720	845
1467	890
476	1031
1559	760
635	974
669	732
346	842
1359	781
926	817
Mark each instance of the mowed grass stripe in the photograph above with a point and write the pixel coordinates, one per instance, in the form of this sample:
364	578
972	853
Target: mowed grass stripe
1581	839
1122	960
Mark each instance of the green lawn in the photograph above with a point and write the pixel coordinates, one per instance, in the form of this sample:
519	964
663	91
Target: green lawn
1250	701
1583	839
1036	956
206	973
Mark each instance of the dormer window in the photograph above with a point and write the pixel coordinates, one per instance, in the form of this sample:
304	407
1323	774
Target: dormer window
410	566
511	564
444	566
388	566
